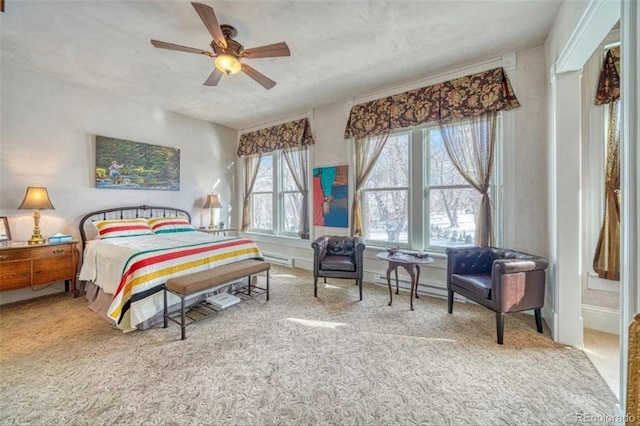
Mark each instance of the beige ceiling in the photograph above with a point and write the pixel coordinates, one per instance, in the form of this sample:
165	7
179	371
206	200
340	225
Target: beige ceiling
339	49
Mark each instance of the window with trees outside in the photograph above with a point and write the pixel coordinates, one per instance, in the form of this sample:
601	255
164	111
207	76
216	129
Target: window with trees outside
275	200
415	197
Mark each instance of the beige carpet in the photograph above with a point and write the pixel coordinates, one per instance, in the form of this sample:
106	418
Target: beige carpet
293	360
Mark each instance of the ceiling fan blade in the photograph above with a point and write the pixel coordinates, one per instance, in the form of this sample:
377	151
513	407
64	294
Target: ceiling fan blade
214	78
268	51
210	21
262	79
171	46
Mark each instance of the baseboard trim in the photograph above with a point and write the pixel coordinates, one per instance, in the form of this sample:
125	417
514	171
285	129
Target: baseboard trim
602	319
551	318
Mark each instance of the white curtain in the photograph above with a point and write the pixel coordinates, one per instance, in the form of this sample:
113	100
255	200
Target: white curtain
470	143
366	153
251	165
298	162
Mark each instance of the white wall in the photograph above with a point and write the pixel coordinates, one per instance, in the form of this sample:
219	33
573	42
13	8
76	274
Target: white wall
525	159
47	138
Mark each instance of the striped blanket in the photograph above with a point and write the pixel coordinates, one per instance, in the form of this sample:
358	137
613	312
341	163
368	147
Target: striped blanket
146	262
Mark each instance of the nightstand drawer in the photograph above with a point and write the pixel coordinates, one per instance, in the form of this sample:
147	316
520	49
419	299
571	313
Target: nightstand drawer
15	275
62	250
52	269
35	252
18	254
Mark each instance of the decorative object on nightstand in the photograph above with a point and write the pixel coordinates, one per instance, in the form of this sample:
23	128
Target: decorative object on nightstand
217	231
211	203
60	238
5	232
36	198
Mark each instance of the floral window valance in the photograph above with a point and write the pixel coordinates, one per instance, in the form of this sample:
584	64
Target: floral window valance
609	83
287	135
468	96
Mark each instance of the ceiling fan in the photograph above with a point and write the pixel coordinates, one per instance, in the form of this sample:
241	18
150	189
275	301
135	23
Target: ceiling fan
227	52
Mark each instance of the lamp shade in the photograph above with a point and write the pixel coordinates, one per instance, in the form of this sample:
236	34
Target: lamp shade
228	64
36	198
212	202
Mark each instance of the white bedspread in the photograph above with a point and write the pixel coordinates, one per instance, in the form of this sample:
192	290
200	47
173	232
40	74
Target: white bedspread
115	252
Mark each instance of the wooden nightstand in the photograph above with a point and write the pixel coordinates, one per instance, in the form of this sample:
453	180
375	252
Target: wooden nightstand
22	265
217	231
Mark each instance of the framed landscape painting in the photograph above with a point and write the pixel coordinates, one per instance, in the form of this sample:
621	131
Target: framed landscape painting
330	196
123	164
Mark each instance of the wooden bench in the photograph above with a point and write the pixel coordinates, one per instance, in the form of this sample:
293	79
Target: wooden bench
190	284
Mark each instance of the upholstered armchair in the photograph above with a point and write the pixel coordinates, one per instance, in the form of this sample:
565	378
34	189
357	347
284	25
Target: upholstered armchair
502	280
338	257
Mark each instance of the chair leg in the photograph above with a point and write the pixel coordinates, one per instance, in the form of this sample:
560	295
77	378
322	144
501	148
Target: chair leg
360	284
450	301
315	286
538	319
500	326
325	280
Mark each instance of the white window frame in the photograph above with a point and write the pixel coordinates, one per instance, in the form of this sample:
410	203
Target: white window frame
273	193
364	191
419	190
277	194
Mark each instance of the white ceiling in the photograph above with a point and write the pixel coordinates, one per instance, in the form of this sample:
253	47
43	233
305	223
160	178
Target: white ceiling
339	49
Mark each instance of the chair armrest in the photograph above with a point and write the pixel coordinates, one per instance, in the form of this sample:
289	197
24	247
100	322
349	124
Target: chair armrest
513	266
320	245
319	250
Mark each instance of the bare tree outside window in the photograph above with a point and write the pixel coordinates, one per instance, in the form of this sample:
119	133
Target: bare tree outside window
291	201
262	195
274	176
453	203
450	203
386	193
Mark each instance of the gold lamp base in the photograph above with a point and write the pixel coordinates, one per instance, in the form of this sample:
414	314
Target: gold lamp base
36	238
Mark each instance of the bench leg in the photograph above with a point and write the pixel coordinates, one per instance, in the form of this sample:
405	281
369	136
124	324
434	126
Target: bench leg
267	285
183	326
249	285
166	309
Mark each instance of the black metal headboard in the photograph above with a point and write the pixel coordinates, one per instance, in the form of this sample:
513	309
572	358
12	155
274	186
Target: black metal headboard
130	213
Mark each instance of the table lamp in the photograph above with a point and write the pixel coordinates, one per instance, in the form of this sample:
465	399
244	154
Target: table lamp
36	198
212	202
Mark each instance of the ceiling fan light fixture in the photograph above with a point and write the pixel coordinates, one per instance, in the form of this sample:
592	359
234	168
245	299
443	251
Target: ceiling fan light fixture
228	64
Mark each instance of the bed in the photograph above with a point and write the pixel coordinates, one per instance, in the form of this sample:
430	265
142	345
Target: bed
130	252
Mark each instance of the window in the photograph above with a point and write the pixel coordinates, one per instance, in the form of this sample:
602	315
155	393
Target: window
262	195
416	198
276	203
451	203
385	197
